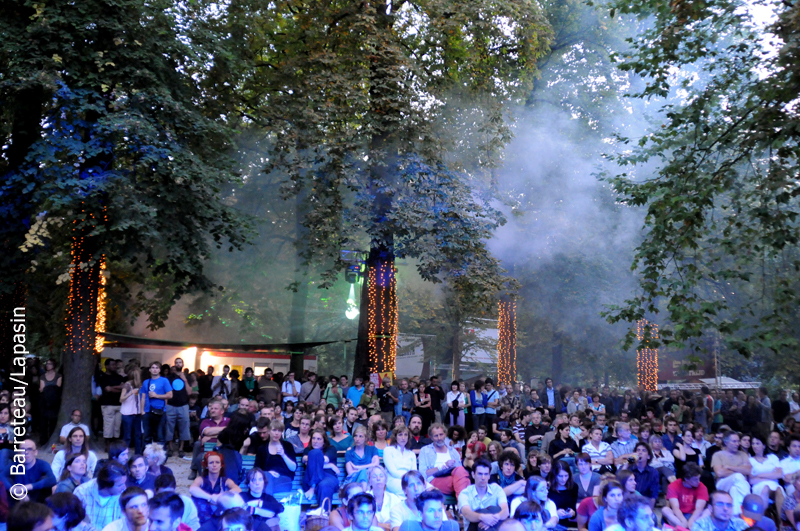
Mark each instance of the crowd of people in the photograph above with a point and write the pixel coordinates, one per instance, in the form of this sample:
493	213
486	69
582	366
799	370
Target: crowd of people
402	455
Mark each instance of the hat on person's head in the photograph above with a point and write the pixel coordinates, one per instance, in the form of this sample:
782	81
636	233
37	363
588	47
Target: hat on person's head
753	507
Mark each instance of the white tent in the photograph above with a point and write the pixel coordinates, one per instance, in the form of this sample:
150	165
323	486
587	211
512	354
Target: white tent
711	383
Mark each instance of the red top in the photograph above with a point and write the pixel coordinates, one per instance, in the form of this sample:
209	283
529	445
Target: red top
587	507
687	498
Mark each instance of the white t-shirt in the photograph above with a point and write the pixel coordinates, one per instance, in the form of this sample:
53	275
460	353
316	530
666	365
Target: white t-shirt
389	501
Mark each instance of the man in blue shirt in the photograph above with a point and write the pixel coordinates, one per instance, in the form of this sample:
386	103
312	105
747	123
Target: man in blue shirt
355	392
156	391
37	478
405	402
647	478
551	398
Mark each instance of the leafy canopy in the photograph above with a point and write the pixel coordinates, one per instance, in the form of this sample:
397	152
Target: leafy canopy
720	253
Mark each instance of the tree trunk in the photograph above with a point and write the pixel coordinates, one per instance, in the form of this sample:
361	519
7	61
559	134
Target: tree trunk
297	317
376	350
557	358
456	347
79	353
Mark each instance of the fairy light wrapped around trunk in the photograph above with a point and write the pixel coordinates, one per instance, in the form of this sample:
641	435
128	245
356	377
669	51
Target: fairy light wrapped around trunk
507	342
647	358
100	324
382	310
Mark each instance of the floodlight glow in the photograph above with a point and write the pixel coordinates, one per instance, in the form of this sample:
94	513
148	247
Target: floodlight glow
352	311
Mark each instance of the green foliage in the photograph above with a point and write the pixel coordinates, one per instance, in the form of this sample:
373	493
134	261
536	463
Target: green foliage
720	253
130	154
384	115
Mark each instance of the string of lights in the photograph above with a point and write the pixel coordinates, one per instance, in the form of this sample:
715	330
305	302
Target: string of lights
100	324
647	358
507	342
86	277
382	316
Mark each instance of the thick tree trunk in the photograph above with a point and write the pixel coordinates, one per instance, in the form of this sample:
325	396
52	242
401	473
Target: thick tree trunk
79	353
377	325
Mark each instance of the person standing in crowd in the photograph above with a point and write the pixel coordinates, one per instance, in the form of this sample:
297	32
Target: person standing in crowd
491	405
49	398
221	385
111	383
310	390
477	398
131	410
177	409
437	395
355	391
765	407
405	401
388	396
732	468
156	391
290	389
268	389
248	387
456	403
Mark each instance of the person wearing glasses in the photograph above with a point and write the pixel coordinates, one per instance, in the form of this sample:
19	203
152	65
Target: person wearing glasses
529	514
38	477
721	517
430	504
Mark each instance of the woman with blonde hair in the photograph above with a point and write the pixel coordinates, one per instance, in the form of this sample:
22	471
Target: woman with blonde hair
384	500
131	409
155	457
360	458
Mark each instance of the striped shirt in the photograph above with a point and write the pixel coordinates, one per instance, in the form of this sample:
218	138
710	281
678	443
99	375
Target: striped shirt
100	510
